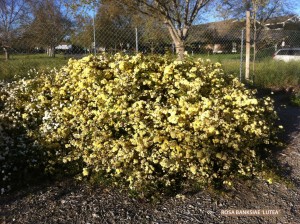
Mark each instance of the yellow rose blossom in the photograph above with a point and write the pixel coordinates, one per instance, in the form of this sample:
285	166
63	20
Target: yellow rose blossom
146	120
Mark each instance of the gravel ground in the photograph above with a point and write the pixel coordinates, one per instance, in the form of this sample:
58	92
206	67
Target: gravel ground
71	202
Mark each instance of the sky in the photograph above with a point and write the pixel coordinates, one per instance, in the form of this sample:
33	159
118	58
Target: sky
212	18
297	10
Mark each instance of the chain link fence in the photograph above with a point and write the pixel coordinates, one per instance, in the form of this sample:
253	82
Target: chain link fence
219	41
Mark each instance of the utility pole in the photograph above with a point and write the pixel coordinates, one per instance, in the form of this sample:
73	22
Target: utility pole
248	39
94	28
94	34
242	52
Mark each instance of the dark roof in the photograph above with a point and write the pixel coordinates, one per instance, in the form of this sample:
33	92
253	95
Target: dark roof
231	30
282	19
216	31
284	22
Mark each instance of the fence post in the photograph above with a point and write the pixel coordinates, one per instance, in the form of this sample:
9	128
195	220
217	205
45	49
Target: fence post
136	41
94	34
242	52
248	46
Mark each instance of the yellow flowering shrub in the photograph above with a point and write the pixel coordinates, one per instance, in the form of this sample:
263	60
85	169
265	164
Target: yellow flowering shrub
147	120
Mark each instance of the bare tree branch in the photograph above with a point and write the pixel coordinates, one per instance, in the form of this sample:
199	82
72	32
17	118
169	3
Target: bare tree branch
178	15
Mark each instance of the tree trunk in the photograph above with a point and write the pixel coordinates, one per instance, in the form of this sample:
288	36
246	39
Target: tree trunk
178	41
179	45
6	53
51	52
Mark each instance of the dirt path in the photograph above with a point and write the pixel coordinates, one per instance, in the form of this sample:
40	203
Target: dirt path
69	202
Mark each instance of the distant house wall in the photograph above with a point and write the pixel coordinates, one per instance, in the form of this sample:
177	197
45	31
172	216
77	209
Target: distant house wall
63	47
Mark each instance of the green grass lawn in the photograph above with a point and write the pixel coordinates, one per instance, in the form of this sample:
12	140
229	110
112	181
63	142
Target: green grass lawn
19	65
277	74
219	57
266	73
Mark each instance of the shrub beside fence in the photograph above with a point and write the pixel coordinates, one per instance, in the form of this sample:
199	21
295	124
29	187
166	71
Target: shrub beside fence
148	122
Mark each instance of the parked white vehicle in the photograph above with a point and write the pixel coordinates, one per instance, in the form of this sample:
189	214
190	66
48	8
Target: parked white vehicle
287	54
